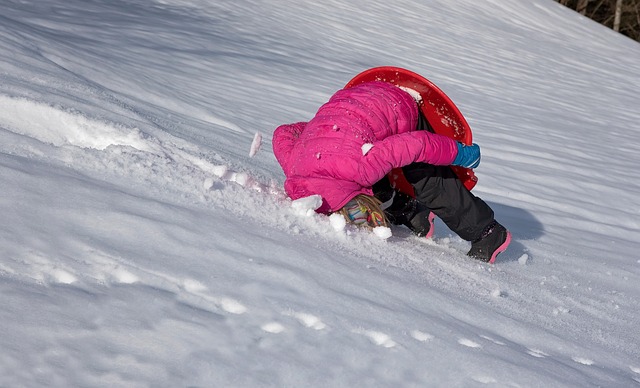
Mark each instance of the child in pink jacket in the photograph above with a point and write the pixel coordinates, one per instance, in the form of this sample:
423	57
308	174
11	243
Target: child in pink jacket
345	151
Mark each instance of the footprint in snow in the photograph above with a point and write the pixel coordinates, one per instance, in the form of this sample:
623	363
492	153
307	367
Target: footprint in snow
536	353
469	343
378	338
122	276
484	379
61	276
272	327
495	341
229	305
635	369
307	320
582	360
421	336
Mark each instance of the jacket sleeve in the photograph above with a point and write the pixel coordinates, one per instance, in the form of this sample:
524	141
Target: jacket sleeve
284	139
403	149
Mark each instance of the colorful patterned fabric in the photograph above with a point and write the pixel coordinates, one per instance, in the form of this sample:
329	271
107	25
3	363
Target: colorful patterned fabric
360	214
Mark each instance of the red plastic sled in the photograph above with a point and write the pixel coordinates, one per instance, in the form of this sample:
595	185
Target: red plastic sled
437	107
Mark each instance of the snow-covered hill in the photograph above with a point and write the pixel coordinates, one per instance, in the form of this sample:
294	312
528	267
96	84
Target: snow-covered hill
141	245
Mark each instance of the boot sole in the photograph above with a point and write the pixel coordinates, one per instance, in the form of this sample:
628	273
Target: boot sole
431	225
501	248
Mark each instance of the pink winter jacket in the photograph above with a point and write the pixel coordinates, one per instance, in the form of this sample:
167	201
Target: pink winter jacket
326	156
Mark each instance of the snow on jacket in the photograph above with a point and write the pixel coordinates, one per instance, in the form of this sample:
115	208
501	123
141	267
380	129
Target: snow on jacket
354	140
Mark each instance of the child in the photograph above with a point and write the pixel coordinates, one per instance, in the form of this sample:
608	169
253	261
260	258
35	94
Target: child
346	150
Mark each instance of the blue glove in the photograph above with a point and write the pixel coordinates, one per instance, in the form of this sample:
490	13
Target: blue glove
468	156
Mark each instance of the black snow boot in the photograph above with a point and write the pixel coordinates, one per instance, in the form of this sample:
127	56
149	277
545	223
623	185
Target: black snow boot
421	224
494	239
406	210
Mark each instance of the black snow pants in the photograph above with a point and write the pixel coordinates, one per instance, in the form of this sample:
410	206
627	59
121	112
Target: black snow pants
439	189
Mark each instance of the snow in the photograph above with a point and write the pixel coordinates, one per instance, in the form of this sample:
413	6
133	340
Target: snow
366	147
382	232
414	93
144	240
255	144
307	206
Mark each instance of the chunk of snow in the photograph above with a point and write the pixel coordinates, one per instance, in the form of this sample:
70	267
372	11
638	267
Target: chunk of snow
366	147
255	145
498	293
240	178
220	171
307	205
523	259
382	232
414	93
337	221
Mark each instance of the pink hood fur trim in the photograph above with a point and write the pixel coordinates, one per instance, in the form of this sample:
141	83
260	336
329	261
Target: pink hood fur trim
326	156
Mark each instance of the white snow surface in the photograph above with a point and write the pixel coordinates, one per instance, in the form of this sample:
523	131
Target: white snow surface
141	245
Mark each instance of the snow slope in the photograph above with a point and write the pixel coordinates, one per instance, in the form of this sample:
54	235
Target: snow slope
141	245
